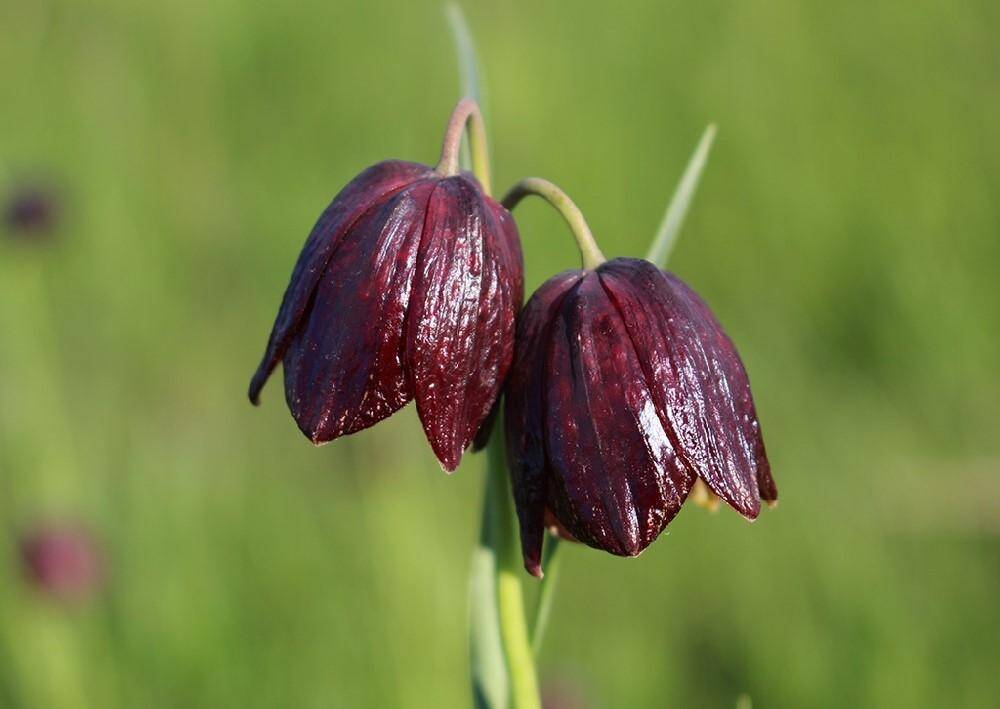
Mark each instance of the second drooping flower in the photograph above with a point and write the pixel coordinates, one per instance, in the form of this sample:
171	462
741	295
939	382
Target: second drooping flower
625	390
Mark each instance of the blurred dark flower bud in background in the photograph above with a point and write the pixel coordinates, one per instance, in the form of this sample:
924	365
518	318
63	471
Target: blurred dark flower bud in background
62	561
407	288
31	211
624	392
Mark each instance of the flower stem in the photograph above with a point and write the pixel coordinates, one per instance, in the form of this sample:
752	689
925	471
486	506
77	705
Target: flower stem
589	251
466	113
517	649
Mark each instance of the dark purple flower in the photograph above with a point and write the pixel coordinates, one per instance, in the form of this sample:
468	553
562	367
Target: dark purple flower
407	288
61	561
624	391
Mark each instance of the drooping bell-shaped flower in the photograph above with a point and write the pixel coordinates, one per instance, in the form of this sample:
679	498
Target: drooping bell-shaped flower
624	391
407	288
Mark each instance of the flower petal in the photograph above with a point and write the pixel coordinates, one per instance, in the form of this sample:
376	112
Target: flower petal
344	369
361	194
524	416
505	242
616	481
461	319
507	247
739	382
700	394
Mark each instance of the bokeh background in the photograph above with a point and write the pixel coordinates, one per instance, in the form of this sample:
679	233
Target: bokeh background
847	233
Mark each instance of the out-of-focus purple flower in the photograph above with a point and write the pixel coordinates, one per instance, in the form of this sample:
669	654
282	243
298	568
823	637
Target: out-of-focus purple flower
31	211
62	561
624	391
563	694
407	288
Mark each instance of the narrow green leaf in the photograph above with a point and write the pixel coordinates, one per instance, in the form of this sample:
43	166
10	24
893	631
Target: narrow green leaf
673	218
488	667
470	78
465	49
551	564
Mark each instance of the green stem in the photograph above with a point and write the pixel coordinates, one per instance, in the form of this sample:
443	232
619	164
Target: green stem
490	686
510	597
466	113
589	251
550	562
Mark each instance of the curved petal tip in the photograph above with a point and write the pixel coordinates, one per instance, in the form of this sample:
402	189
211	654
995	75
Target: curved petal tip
752	514
256	384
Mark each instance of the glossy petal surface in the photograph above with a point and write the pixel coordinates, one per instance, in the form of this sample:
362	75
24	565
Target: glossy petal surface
507	249
615	479
460	326
698	386
524	413
344	369
364	192
737	382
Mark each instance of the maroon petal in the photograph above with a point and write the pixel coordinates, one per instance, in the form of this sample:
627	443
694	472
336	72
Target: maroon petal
616	481
361	194
738	381
460	324
344	369
505	242
695	385
524	417
765	483
485	432
507	247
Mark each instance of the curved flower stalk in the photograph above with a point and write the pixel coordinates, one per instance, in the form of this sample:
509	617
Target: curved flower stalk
625	390
407	288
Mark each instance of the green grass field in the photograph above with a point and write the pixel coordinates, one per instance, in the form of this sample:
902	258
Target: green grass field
846	232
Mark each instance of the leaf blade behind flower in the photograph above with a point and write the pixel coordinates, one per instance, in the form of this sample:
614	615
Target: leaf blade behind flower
666	236
470	76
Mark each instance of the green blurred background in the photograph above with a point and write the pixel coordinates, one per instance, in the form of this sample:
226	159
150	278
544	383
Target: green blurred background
847	233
